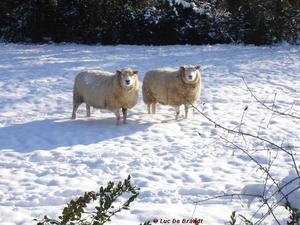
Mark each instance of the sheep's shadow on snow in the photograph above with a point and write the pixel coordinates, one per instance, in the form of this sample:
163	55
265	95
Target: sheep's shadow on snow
50	134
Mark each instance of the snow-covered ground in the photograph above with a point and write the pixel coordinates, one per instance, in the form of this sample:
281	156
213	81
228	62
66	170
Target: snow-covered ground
47	159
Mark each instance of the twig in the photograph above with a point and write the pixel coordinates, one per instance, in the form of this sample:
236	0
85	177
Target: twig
273	105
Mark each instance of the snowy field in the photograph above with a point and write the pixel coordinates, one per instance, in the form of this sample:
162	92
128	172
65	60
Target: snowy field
47	159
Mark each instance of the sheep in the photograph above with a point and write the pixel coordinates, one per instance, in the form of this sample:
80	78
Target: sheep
172	87
105	90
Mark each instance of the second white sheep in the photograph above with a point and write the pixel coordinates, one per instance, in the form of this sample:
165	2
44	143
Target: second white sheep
172	87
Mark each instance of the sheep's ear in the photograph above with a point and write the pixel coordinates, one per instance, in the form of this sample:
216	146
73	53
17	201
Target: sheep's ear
118	72
198	67
181	71
135	72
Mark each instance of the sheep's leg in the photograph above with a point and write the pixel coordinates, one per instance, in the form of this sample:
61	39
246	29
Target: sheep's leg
177	111
149	108
75	107
124	111
117	113
88	110
154	107
186	109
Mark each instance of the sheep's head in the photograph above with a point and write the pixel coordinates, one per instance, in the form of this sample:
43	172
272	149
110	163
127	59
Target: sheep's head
190	74
128	77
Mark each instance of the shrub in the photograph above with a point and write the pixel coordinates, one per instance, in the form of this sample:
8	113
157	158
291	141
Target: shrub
73	213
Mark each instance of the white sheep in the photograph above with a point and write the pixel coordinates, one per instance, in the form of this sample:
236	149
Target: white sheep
105	90
172	87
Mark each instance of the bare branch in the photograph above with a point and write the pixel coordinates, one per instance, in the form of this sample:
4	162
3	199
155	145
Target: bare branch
273	108
269	146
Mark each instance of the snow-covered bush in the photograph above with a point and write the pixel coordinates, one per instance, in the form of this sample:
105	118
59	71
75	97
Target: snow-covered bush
151	22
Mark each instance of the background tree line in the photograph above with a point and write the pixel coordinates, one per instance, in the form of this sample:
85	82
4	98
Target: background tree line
150	22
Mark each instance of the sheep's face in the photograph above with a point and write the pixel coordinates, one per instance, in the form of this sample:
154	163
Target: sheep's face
128	77
190	73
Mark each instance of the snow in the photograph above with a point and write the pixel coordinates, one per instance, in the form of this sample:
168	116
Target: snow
288	185
252	191
47	159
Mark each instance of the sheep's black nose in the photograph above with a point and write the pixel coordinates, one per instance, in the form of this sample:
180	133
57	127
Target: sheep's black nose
127	81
